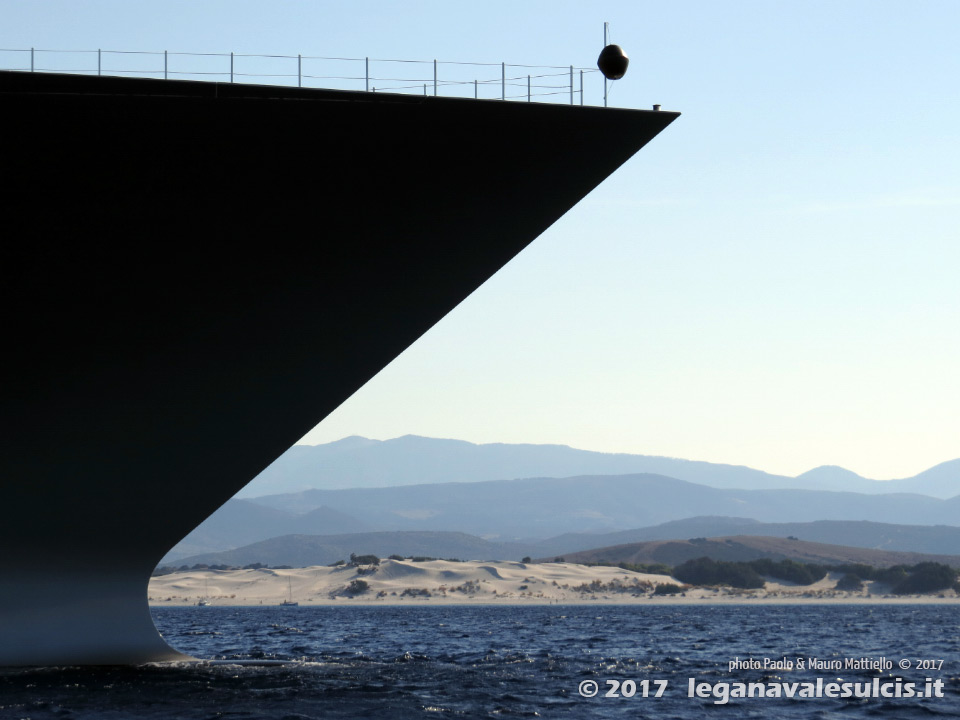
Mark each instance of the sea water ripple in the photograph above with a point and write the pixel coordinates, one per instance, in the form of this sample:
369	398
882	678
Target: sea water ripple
498	661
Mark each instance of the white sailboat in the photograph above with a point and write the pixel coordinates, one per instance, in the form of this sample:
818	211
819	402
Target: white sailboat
290	602
203	602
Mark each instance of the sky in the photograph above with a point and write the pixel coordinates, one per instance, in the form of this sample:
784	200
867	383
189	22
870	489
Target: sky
774	281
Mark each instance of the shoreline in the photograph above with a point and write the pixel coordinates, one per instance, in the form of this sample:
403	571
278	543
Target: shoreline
701	602
468	583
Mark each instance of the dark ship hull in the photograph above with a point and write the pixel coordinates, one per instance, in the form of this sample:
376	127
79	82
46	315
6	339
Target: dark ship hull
195	274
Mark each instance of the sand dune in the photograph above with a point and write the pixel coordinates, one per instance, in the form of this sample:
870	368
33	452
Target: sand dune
442	581
393	570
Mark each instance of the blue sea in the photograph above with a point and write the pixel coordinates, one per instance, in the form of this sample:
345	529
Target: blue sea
520	661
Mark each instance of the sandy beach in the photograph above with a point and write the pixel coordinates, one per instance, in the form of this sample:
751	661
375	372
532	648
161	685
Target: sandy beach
448	582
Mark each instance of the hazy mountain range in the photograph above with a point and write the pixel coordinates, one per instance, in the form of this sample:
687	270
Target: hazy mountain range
567	512
930	539
745	548
236	536
357	462
543	507
241	522
307	550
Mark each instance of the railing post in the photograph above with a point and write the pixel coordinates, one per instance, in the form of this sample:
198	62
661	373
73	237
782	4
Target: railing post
367	87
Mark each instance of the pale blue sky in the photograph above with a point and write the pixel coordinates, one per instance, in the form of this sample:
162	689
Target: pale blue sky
772	282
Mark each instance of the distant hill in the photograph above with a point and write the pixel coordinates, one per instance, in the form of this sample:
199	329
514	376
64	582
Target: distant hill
544	507
833	477
743	548
241	522
357	462
941	481
931	539
935	539
306	550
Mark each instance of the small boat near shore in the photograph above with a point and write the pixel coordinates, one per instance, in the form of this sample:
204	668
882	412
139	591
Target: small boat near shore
289	602
204	601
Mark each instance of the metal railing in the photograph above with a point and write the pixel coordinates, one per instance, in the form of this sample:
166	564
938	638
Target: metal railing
500	81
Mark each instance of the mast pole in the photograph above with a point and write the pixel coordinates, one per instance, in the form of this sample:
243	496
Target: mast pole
606	26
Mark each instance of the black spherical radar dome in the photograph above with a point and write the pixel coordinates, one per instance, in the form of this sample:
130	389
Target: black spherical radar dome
613	62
